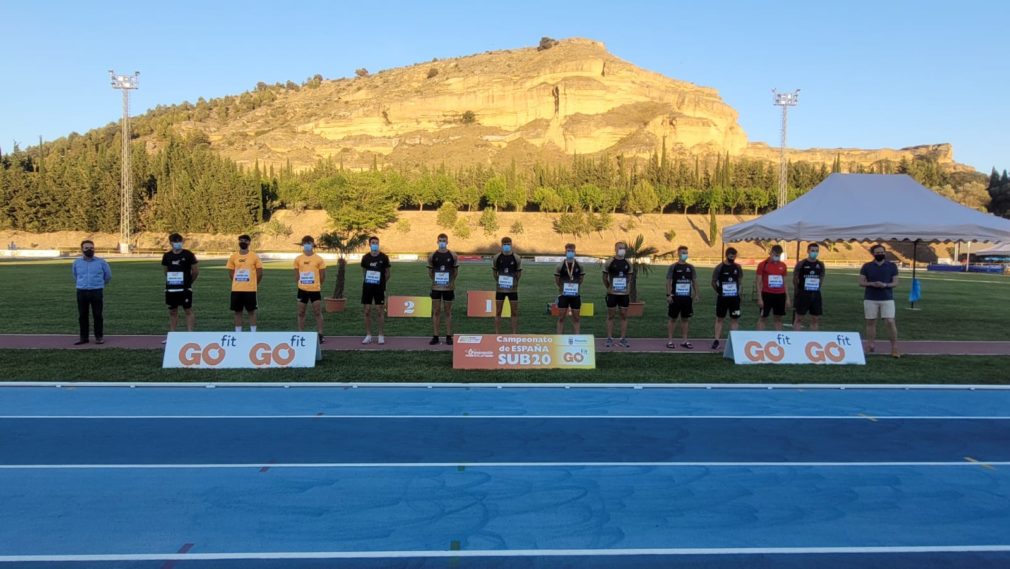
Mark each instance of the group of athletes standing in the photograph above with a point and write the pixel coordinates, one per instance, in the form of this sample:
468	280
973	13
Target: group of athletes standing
771	289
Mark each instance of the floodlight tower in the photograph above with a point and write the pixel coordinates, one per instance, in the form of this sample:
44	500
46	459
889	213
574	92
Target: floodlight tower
784	100
125	83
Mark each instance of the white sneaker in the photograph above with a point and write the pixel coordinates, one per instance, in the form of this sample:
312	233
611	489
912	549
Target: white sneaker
367	340
382	339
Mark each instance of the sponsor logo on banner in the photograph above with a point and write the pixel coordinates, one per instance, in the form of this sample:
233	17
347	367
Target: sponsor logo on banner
408	307
531	351
825	348
223	350
481	304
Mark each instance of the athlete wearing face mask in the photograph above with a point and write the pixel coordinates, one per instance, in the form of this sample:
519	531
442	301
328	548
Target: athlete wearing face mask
681	292
443	266
568	277
375	266
879	278
506	267
181	270
617	275
310	274
727	281
246	271
774	295
808	279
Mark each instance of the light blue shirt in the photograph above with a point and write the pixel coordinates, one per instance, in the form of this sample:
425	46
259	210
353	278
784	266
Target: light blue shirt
91	275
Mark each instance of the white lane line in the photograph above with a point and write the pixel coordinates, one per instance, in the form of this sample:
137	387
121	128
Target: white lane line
856	417
506	553
345	465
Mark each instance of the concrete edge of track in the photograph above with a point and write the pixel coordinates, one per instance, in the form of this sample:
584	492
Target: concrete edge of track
492	385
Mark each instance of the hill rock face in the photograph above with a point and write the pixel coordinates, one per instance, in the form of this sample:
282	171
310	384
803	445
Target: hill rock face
524	105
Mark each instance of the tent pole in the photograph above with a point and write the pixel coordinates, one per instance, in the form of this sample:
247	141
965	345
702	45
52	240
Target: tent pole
915	247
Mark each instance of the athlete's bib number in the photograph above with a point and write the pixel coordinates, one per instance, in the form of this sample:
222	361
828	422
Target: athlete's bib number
774	281
441	279
683	289
570	289
505	282
812	284
175	277
729	289
619	284
372	277
242	275
307	278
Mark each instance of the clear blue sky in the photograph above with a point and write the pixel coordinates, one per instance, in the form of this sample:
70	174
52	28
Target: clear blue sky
872	74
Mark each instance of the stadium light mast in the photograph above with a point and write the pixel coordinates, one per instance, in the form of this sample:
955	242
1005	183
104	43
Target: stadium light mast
784	100
125	83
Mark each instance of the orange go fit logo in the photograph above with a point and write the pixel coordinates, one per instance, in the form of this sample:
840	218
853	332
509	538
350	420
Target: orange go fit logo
260	354
815	352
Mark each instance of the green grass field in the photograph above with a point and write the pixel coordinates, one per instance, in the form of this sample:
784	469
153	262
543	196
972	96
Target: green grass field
41	299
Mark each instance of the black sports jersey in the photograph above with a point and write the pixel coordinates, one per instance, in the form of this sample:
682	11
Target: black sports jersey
569	272
444	266
176	263
619	271
682	275
728	274
809	274
372	264
507	267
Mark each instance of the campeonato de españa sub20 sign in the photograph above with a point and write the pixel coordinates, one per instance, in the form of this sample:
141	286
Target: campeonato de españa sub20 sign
523	351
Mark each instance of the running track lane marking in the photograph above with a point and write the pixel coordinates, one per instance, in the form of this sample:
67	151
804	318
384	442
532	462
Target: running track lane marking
457	465
502	553
170	564
859	417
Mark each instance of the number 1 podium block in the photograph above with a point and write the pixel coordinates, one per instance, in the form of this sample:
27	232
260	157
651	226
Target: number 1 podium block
481	304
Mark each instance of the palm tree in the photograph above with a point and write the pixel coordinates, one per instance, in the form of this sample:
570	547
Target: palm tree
342	245
639	253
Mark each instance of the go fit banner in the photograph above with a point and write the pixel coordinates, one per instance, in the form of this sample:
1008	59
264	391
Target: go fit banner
531	351
830	348
222	350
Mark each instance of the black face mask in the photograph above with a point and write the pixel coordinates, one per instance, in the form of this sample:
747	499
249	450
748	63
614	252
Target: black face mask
89	253
731	259
243	245
879	257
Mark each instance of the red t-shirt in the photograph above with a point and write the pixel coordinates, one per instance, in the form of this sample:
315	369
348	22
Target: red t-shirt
773	276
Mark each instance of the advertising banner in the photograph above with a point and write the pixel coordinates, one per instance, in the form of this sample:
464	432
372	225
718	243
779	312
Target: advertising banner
224	350
523	351
481	304
827	348
408	307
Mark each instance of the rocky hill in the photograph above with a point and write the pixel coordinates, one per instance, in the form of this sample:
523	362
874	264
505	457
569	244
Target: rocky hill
523	105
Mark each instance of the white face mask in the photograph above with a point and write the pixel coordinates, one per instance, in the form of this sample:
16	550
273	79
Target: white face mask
621	252
776	258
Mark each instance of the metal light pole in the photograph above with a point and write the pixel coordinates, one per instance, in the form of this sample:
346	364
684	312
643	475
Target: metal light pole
125	83
784	100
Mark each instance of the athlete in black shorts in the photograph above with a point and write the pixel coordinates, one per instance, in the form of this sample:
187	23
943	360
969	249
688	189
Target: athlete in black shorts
568	277
808	279
181	271
375	268
681	292
507	268
443	266
617	275
727	282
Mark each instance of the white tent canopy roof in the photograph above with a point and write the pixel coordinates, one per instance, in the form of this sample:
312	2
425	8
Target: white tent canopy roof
997	249
872	207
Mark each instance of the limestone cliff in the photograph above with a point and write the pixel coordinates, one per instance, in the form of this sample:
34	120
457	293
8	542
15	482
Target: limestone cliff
524	105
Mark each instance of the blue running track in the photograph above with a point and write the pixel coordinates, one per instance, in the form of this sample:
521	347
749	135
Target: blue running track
172	477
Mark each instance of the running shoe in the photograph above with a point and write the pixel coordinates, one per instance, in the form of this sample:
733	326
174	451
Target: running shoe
448	340
609	343
624	343
687	345
367	340
382	339
715	344
433	341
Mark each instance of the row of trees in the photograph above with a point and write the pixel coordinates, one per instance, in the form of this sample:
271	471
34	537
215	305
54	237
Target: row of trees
181	184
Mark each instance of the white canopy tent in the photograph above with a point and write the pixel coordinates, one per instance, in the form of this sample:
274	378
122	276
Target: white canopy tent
873	207
997	249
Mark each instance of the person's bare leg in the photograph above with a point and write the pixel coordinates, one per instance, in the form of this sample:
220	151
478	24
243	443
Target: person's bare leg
317	311
436	316
301	316
173	319
778	323
761	323
515	316
624	322
497	316
684	323
892	332
734	324
610	322
560	327
871	335
252	318
576	320
815	323
190	319
381	309
718	328
238	320
368	320
447	310
797	322
669	330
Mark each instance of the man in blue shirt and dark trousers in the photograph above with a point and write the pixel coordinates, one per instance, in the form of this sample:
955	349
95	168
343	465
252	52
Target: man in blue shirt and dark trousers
91	275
